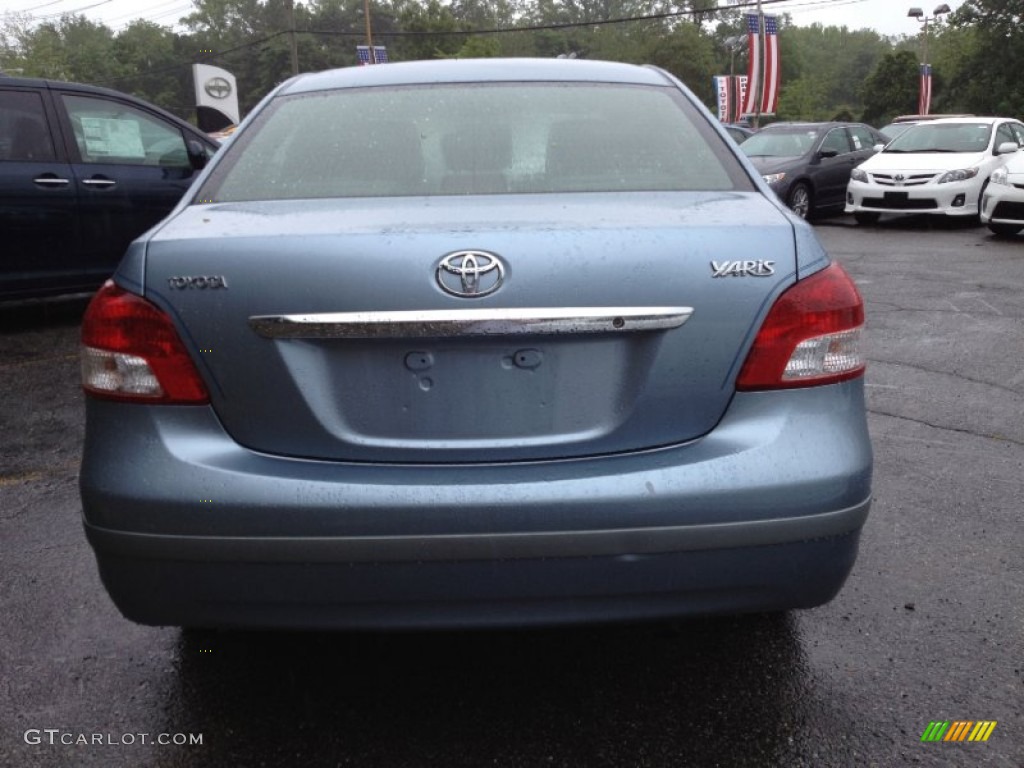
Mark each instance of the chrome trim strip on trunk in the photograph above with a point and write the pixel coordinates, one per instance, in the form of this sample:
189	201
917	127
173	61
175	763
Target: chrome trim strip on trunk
445	323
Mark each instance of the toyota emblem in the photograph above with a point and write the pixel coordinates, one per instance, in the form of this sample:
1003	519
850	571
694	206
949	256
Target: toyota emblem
470	274
218	87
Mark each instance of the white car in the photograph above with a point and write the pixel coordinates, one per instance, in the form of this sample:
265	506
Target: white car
1002	206
937	167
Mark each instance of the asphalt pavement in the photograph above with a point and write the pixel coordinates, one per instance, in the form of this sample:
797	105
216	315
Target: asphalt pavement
930	626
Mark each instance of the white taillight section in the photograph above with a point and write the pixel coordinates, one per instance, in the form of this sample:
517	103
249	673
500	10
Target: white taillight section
118	373
811	336
823	355
131	351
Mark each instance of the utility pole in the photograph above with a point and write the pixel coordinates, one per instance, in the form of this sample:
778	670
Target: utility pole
369	34
290	5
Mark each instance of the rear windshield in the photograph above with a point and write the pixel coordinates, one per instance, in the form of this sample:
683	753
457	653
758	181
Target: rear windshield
474	139
943	137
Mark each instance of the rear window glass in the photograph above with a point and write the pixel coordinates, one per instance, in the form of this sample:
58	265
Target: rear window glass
474	139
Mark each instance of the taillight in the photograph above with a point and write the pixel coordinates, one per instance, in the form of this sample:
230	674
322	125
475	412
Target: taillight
131	352
812	336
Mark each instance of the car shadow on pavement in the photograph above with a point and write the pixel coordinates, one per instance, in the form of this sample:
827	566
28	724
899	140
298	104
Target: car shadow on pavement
42	314
698	692
912	223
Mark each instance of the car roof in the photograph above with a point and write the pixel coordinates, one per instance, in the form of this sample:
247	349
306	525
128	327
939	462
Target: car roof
477	70
967	120
96	90
923	118
38	82
812	126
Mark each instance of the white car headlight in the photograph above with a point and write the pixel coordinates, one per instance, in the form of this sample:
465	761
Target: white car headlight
858	175
774	178
962	174
999	176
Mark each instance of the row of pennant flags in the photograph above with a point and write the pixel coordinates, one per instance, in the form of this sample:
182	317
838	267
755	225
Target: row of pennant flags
738	95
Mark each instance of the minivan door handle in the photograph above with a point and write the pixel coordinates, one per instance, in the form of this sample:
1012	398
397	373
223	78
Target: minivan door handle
99	181
50	180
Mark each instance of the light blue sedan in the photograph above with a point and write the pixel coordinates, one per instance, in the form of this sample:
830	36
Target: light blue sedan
474	343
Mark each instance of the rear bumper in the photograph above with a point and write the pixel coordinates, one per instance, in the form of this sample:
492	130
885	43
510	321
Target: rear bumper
761	514
409	594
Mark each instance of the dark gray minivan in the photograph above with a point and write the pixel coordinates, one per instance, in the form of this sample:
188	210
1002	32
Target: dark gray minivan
83	172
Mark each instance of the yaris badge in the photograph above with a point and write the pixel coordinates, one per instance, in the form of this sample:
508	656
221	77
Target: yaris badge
470	274
759	268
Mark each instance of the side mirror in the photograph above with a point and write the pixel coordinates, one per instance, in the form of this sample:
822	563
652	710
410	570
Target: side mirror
1007	148
197	156
878	147
826	153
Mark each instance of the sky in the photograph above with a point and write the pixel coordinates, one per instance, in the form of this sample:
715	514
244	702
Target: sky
888	17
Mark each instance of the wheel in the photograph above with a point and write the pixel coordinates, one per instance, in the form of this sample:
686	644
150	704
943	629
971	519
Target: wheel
866	218
1004	230
799	200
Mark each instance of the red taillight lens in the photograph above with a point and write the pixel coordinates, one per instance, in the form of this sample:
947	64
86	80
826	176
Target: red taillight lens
131	352
812	336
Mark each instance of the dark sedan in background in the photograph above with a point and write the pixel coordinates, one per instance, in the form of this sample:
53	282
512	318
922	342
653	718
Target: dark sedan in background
808	165
83	172
739	133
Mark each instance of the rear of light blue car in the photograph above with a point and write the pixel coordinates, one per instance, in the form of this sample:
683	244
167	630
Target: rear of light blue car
450	344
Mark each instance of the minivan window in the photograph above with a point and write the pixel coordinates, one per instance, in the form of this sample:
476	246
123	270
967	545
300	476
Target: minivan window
24	132
108	131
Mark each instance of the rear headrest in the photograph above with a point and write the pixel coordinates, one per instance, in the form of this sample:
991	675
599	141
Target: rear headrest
576	146
477	149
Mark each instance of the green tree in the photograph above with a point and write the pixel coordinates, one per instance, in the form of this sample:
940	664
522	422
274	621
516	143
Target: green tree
892	88
988	53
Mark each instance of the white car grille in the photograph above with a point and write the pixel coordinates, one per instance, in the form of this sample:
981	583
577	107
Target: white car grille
902	180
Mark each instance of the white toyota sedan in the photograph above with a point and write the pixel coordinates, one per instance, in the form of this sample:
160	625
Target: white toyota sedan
939	167
1002	206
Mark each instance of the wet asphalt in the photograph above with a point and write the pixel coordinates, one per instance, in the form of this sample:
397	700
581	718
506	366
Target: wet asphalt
930	625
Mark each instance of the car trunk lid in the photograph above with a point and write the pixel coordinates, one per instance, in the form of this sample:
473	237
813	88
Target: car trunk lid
333	330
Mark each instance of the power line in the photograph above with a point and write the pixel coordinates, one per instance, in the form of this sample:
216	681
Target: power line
470	32
72	12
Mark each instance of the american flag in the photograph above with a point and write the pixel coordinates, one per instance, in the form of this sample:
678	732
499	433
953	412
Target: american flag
753	64
772	78
924	100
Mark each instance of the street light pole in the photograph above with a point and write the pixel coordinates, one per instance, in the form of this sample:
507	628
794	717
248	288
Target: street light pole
734	45
760	79
918	14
